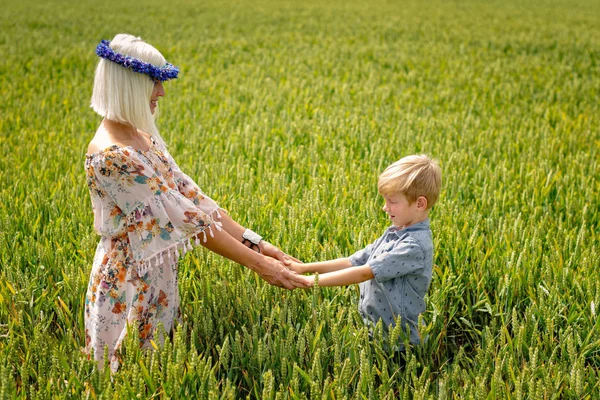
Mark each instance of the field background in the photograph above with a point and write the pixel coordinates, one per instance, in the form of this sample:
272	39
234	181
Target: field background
286	113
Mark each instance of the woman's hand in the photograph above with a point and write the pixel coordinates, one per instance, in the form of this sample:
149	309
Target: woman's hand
269	250
276	274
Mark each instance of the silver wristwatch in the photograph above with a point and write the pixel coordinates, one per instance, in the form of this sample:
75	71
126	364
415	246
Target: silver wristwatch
252	237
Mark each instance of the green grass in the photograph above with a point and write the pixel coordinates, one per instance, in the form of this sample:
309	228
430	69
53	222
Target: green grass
285	113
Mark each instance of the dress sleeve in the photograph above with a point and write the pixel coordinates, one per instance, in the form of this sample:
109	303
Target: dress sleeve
404	259
159	219
187	187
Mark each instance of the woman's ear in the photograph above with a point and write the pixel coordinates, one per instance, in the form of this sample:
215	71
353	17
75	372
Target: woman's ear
422	203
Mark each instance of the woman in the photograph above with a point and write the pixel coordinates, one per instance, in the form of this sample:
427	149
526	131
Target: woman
146	210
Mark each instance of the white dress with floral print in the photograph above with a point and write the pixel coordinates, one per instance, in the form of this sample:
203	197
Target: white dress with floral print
148	214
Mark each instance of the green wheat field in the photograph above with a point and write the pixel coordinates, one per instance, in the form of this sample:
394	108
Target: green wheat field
285	113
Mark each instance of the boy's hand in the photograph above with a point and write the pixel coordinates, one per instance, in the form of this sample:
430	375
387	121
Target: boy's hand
311	280
295	266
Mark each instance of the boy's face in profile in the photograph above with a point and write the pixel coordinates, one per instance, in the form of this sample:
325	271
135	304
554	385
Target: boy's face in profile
401	212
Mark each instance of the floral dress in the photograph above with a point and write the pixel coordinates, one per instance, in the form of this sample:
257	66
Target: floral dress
148	214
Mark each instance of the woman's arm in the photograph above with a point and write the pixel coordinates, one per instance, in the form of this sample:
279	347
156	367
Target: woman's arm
344	277
189	188
236	231
320	267
269	269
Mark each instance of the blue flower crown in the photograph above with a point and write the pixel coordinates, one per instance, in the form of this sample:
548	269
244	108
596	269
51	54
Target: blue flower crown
169	71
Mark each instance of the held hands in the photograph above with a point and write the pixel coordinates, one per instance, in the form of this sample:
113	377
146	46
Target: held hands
276	274
301	268
269	265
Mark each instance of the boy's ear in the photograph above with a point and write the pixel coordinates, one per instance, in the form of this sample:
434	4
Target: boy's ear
422	202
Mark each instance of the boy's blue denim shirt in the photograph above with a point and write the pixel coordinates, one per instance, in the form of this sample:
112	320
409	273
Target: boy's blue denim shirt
401	261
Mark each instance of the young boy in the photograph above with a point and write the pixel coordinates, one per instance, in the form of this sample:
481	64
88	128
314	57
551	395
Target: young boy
394	272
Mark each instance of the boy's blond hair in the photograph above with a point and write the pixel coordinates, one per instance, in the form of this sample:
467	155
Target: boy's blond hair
413	176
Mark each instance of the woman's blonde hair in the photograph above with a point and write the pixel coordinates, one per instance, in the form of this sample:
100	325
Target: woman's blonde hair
123	95
413	176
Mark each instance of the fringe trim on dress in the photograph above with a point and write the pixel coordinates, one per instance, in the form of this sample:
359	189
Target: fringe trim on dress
176	251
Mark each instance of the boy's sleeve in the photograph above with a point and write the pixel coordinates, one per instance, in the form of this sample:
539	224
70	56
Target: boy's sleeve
360	257
404	259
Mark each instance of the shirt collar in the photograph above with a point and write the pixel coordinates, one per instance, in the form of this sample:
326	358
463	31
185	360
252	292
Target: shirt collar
419	226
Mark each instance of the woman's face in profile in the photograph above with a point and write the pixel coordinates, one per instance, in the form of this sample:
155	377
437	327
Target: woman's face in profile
158	91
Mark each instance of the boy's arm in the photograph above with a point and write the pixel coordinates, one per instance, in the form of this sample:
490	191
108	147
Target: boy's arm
344	277
320	267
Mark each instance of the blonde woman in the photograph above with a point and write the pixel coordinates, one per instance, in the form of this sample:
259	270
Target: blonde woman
146	210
